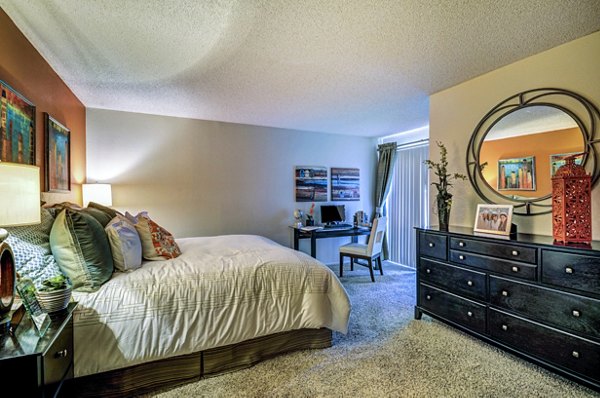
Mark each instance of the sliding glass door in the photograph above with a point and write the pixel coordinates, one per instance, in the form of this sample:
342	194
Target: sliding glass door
408	202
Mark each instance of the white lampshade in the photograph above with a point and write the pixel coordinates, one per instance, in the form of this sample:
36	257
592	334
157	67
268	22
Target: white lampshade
98	193
19	194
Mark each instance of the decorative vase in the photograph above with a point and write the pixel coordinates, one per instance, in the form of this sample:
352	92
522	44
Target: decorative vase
55	300
443	208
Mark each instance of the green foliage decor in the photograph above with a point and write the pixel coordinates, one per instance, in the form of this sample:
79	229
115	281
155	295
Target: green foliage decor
445	179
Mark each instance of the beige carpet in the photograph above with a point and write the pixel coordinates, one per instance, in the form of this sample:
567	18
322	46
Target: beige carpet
389	354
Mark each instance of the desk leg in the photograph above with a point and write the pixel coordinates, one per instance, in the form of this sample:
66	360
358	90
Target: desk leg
296	239
313	245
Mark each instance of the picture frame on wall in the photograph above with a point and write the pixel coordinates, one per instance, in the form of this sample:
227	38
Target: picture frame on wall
58	156
558	160
17	126
345	183
311	183
493	220
517	174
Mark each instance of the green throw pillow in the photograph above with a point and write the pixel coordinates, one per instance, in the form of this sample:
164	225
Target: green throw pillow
102	217
81	249
111	212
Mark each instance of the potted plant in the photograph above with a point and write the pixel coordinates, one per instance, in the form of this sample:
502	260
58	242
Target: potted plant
55	293
445	179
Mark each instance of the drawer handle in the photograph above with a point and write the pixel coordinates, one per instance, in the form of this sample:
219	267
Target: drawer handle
504	327
461	257
61	354
470	283
431	244
515	252
575	354
568	270
428	297
515	269
576	313
428	271
469	313
505	293
461	243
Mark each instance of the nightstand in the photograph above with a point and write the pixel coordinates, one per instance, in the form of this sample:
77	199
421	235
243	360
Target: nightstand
38	366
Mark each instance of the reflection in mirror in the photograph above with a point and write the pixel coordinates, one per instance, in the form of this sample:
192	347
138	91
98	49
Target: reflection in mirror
523	149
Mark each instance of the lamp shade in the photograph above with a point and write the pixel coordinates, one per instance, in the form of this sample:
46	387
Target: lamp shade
98	193
19	194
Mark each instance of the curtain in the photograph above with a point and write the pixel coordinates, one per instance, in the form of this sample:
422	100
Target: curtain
408	202
383	183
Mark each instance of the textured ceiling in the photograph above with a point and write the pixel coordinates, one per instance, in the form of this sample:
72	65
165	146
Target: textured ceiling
348	67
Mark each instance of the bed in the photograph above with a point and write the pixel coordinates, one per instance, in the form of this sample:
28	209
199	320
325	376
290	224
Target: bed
226	302
195	307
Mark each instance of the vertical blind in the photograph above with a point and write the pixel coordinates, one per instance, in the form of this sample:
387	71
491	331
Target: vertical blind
408	202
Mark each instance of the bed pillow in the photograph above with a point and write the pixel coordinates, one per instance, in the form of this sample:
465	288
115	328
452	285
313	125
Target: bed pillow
81	249
157	242
125	244
102	217
31	248
111	212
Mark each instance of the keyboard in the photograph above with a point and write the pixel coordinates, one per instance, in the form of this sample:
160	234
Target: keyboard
338	226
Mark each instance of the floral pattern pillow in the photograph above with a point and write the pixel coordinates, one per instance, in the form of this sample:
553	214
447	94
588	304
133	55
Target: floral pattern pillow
157	242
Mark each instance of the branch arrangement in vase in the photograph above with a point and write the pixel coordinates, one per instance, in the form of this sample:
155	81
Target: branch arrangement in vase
445	180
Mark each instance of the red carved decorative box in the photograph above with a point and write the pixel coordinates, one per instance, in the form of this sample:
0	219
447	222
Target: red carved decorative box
572	204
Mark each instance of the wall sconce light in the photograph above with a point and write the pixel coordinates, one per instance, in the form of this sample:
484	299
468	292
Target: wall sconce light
19	205
97	193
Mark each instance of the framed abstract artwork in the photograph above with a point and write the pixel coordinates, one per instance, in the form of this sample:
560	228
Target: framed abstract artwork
311	184
558	160
345	183
58	156
516	174
17	127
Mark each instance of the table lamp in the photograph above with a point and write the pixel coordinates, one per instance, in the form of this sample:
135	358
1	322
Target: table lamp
19	205
97	193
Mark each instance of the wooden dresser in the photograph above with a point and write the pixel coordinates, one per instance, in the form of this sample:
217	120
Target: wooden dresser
526	295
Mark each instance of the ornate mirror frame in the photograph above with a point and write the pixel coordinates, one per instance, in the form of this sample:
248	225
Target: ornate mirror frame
585	114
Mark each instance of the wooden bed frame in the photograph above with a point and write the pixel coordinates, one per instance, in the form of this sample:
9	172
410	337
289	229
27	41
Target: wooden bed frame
183	369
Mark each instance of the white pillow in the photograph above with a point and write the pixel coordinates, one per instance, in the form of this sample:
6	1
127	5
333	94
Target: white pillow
125	244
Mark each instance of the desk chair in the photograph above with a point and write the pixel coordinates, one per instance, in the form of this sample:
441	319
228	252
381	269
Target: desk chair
371	251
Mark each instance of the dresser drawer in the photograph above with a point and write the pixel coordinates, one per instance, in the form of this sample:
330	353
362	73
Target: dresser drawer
458	280
432	245
563	349
574	271
501	250
566	310
453	308
512	268
59	357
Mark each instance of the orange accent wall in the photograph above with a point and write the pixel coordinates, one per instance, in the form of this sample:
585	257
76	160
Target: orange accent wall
25	70
539	145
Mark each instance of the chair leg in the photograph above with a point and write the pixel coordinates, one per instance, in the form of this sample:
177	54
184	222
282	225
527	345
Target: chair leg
371	270
351	263
341	265
380	265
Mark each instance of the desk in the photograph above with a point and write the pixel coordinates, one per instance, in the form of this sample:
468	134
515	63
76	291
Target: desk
326	233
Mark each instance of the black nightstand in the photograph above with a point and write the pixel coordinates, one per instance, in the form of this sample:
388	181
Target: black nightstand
38	366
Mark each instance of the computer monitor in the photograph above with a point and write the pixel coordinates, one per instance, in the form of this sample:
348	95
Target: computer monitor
331	214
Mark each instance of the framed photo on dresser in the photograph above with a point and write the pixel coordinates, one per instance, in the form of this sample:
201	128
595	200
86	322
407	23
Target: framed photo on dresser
493	220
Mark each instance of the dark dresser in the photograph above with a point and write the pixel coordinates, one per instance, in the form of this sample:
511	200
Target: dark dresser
527	295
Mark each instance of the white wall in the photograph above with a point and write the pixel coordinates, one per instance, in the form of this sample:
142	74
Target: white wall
202	178
455	112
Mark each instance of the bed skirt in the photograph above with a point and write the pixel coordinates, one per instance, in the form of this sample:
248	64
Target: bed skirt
183	369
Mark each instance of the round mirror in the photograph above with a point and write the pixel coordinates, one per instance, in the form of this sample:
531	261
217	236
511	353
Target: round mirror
522	151
521	142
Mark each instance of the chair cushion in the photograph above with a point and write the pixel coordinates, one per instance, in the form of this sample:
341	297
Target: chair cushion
354	248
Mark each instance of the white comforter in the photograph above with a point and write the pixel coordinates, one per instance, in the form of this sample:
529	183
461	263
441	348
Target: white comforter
220	291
